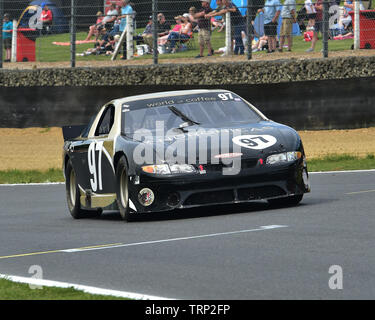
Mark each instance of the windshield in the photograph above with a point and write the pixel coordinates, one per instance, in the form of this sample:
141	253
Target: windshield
213	112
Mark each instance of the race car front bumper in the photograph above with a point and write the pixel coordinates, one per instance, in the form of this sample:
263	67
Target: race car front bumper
212	188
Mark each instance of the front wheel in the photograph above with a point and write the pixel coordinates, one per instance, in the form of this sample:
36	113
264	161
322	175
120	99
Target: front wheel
122	190
287	201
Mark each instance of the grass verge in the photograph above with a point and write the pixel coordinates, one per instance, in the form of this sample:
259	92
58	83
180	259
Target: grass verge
342	162
328	163
10	290
31	176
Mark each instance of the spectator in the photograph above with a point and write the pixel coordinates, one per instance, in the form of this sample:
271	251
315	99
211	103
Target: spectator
238	26
147	33
261	44
109	20
126	10
204	24
184	34
271	15
93	30
194	22
217	21
176	30
318	26
288	14
7	36
46	18
311	14
164	27
347	19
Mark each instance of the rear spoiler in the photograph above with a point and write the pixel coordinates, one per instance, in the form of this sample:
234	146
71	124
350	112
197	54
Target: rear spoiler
71	132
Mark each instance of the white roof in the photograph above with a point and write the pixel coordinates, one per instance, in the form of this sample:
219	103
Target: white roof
167	94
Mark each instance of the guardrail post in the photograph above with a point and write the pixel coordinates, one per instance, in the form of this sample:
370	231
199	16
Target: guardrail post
72	35
14	42
129	37
325	28
356	25
155	30
249	29
228	35
1	32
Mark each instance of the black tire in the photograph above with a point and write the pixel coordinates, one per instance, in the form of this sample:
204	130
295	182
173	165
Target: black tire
287	201
72	193
122	190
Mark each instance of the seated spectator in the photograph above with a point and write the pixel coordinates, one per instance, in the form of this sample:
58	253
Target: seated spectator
164	39
94	29
163	26
217	23
110	18
184	34
261	44
147	33
46	18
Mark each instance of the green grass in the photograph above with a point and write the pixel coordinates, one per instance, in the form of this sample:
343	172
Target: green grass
48	52
329	163
342	162
18	291
31	176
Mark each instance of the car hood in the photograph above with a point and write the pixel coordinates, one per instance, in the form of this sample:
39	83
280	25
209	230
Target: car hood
256	140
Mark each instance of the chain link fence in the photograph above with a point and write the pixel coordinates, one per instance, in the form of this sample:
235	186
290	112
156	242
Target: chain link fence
98	30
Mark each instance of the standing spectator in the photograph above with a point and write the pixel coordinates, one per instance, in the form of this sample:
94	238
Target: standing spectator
126	10
194	22
288	14
7	36
318	26
47	18
238	26
271	12
204	24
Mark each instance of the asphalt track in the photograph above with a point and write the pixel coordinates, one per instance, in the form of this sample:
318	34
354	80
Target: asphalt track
220	252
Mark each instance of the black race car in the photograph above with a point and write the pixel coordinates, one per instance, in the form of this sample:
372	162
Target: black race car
180	149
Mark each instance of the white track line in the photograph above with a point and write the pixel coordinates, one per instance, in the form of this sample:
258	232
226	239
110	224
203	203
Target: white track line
343	171
87	289
261	228
31	184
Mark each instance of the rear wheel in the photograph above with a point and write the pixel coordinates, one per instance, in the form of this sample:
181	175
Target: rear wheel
72	192
122	190
287	201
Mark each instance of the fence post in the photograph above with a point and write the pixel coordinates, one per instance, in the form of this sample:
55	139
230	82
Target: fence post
72	35
1	32
356	25
129	37
228	35
14	42
155	30
249	29
325	28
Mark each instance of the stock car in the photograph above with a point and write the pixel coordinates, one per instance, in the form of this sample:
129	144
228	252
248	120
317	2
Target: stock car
180	149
